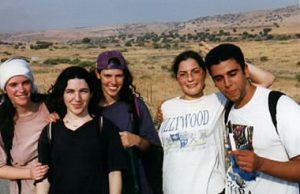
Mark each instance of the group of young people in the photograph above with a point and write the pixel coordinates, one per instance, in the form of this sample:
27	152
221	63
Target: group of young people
103	128
93	142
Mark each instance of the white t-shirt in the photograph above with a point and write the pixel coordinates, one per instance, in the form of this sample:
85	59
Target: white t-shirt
254	119
192	138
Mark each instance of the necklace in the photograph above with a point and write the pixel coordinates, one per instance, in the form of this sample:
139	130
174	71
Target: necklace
76	122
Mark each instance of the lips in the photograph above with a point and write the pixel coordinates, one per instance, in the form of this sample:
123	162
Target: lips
231	93
77	106
22	97
191	85
113	87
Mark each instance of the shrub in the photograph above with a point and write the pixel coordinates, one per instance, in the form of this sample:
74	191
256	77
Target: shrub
86	63
41	45
297	77
264	59
165	67
128	43
56	61
86	40
6	53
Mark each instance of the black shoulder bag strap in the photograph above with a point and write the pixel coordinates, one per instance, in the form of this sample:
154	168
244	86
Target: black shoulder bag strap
272	101
228	107
49	128
100	124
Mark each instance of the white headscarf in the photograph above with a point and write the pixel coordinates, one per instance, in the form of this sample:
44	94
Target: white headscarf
14	67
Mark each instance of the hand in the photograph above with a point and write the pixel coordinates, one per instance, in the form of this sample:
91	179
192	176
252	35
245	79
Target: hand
159	115
129	139
247	160
38	171
53	117
205	47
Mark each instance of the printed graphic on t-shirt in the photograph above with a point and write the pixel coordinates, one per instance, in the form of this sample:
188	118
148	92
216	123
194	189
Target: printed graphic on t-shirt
242	136
185	132
237	179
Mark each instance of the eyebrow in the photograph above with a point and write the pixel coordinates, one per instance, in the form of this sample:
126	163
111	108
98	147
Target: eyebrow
196	68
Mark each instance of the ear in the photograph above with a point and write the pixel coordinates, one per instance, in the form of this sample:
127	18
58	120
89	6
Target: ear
97	74
246	71
205	73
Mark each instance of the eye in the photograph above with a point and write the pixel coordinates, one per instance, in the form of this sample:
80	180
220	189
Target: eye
27	82
196	71
120	76
181	74
12	85
69	91
217	78
232	73
85	91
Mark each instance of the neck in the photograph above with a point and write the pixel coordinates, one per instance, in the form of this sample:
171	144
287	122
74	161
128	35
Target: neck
108	100
73	116
189	97
73	121
249	92
28	109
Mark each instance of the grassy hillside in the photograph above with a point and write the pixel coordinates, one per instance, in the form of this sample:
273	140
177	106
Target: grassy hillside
274	45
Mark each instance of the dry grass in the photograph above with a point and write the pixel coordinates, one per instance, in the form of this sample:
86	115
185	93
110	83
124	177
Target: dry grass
151	66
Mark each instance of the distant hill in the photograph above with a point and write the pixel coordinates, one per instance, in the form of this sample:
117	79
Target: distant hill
283	18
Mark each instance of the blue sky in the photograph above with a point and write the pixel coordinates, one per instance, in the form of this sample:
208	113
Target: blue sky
31	15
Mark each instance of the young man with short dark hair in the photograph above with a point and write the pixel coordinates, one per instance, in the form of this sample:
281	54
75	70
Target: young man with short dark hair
267	157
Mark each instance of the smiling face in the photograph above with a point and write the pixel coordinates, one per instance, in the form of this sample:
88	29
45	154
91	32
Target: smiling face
111	83
191	79
77	96
18	89
230	79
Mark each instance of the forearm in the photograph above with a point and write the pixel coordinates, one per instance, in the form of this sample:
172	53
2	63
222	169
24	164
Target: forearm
43	187
12	173
260	77
115	182
289	171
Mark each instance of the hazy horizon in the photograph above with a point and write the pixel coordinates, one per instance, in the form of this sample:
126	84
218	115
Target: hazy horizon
35	15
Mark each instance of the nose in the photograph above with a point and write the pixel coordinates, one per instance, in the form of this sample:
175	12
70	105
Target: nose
113	80
227	82
77	96
190	76
20	87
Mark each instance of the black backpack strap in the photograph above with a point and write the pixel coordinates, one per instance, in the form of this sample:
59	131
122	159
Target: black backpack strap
272	101
136	106
136	115
49	132
100	124
228	107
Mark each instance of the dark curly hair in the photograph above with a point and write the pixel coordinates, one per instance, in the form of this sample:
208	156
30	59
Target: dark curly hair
8	115
189	54
128	91
56	92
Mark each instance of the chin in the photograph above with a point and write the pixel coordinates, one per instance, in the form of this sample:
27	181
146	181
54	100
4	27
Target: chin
232	98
